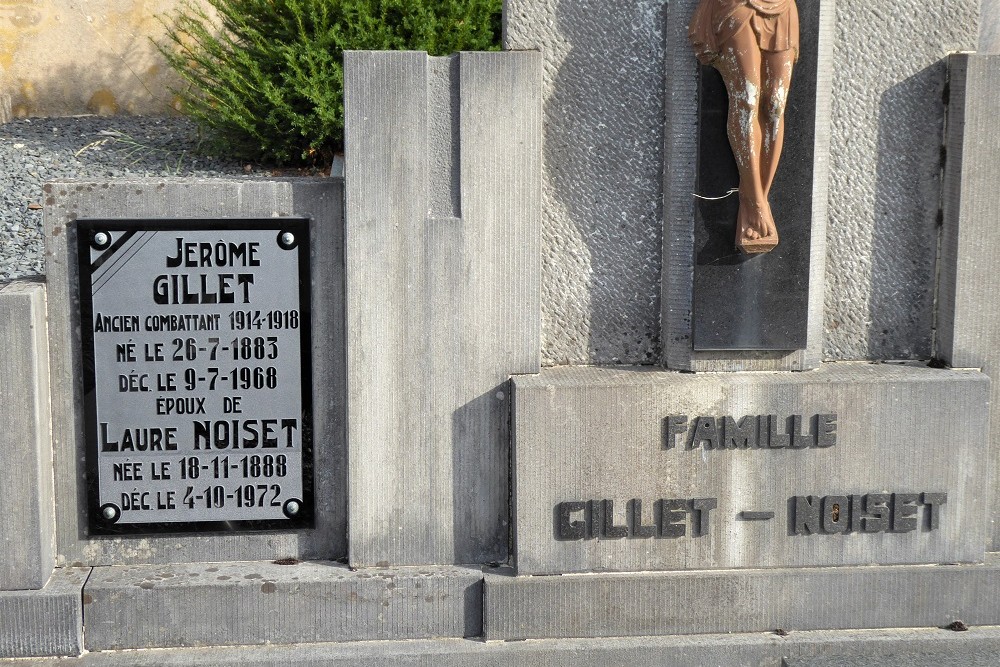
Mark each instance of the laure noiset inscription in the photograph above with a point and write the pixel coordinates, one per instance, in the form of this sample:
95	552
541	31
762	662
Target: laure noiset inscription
881	512
196	349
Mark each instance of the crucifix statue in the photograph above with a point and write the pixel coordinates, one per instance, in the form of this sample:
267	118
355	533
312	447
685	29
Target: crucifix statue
754	45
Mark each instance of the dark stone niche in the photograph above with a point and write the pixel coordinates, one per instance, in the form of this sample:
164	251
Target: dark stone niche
756	302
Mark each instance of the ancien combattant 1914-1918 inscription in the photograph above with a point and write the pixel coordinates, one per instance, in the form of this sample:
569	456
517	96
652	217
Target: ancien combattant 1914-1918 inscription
197	387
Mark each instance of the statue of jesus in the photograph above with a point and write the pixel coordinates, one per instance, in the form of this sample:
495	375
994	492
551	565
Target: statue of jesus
754	45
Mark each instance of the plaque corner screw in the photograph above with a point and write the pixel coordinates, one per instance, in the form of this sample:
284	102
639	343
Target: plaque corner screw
287	239
292	507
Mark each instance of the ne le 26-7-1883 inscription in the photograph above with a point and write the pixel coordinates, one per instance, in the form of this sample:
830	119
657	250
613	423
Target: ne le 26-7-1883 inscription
197	387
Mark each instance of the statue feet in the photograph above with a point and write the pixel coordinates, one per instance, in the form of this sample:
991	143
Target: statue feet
755	230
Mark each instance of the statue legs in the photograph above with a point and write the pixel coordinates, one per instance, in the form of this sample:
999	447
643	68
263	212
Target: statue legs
757	83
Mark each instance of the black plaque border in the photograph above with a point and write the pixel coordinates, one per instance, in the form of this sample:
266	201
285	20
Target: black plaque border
85	228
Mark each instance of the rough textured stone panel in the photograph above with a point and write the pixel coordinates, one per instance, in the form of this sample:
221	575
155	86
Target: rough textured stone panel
230	604
318	199
889	78
27	523
588	434
443	185
982	657
47	622
968	319
602	219
628	605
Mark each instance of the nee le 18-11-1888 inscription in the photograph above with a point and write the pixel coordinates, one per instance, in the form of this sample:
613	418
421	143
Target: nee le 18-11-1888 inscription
196	349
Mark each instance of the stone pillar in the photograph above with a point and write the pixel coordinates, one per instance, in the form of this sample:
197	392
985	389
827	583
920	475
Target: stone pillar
443	263
989	27
27	524
968	334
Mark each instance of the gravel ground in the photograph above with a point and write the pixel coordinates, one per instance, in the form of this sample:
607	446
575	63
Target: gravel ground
36	151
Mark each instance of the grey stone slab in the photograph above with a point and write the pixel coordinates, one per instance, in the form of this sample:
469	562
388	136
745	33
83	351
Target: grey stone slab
443	186
46	622
968	332
318	199
630	605
226	604
889	79
984	657
691	265
27	523
752	650
587	435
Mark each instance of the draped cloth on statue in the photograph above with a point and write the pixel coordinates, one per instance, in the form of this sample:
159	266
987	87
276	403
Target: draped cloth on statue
774	22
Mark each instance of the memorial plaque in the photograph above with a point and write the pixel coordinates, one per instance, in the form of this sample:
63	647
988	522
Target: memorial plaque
196	366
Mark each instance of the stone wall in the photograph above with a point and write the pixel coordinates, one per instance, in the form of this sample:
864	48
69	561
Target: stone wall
604	109
66	57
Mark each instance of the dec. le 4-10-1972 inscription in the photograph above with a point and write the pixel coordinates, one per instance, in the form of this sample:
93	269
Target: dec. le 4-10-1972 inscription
196	351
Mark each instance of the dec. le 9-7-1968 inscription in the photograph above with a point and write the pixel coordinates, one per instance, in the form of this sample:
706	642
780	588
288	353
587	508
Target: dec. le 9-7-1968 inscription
197	387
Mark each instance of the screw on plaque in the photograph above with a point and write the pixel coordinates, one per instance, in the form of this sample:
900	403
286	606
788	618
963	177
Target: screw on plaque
287	240
100	240
110	513
292	508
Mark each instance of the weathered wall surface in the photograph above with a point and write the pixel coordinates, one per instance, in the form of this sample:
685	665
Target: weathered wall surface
601	191
66	57
603	161
889	79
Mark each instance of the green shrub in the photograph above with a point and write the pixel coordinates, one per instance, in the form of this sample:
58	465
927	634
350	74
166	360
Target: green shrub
266	78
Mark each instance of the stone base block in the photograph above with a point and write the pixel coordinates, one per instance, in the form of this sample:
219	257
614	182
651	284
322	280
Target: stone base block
895	648
633	470
744	601
46	622
231	604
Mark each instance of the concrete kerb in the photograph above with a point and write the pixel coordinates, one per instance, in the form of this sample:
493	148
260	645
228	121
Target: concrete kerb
881	648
